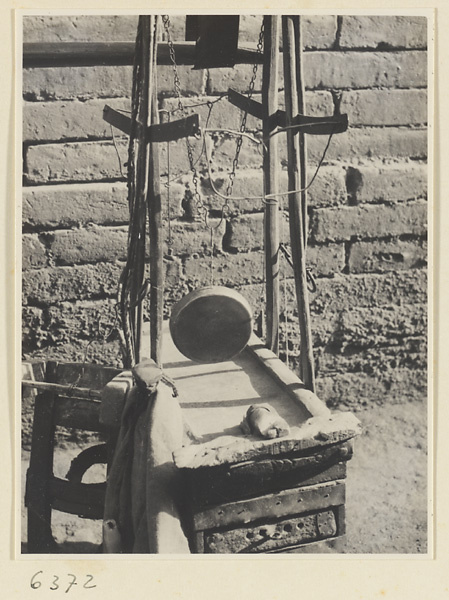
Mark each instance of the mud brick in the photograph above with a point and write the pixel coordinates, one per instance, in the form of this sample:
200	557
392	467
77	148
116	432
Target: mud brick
49	207
83	161
365	327
383	31
59	284
246	232
383	256
95	244
65	83
194	237
192	81
34	254
409	353
387	183
360	389
342	293
339	70
369	221
82	28
227	269
385	107
362	143
80	322
62	120
326	259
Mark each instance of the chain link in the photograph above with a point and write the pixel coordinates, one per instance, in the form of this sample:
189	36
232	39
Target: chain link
201	208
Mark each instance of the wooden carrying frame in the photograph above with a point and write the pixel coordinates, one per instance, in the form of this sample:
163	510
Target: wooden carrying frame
243	494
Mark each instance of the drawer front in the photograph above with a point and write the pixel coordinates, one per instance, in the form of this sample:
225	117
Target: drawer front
268	537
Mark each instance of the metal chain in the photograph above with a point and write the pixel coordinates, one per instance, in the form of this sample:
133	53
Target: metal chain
249	95
177	90
202	209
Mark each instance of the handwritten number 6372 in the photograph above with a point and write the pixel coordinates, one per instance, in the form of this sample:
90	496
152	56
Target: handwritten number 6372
57	582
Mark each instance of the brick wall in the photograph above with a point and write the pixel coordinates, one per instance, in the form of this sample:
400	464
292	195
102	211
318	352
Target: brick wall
367	244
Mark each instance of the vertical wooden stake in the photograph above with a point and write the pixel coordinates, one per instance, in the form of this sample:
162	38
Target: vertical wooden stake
144	113
40	472
156	250
155	228
298	232
271	179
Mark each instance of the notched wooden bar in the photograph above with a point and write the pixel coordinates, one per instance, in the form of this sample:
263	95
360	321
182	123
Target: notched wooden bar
268	537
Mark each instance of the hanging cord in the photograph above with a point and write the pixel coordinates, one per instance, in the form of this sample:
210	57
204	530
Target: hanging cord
268	197
284	273
129	293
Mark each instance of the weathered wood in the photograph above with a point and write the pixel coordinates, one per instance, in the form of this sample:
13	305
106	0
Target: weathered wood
299	123
330	545
85	375
163	132
78	413
37	496
58	388
156	243
90	456
86	511
287	379
315	433
80	54
296	175
206	489
270	86
198	542
138	214
83	499
215	485
340	511
217	41
271	506
266	537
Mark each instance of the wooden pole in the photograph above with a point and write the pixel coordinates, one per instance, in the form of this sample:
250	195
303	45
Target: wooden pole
139	208
271	179
80	54
155	228
40	472
292	56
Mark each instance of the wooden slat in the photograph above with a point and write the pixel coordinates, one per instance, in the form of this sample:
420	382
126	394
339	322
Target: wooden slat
82	499
79	54
78	413
246	104
164	132
266	537
272	506
270	86
58	388
331	545
90	376
40	471
296	178
207	489
217	41
156	242
287	379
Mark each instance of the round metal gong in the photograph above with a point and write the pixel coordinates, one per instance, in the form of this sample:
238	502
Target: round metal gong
211	325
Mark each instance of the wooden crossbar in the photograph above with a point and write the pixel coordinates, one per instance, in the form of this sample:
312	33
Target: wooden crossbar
162	132
87	54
